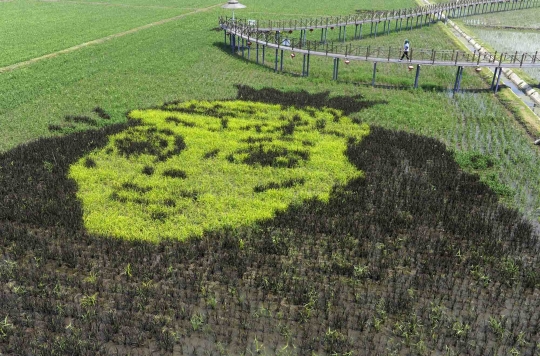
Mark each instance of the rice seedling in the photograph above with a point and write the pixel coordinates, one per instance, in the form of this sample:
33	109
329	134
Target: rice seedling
270	156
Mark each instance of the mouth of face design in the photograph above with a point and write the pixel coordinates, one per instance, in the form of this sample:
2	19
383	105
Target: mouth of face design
197	166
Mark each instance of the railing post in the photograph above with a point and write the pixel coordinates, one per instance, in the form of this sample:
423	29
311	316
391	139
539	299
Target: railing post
307	66
374	73
336	68
498	80
460	77
276	61
257	52
494	77
416	77
457	82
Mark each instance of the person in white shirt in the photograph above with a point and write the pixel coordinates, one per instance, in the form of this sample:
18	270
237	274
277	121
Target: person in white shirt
406	48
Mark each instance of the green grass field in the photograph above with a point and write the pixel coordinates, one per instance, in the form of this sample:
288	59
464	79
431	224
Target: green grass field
32	29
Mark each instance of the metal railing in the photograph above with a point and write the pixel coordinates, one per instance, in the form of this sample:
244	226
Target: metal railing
380	53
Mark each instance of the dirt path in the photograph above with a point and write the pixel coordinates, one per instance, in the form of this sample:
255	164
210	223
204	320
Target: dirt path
95	3
101	40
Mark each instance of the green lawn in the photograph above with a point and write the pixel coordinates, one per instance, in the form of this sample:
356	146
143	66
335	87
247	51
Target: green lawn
35	28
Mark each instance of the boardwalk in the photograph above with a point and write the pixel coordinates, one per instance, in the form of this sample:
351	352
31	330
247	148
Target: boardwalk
423	14
247	35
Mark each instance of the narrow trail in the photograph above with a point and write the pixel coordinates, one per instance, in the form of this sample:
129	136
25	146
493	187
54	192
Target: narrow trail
15	66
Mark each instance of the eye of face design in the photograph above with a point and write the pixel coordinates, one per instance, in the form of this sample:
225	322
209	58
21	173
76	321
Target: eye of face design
197	166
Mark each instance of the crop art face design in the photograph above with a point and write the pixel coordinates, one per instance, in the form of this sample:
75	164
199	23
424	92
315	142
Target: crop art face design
198	166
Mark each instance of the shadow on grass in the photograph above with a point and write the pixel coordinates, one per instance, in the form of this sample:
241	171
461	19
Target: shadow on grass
251	58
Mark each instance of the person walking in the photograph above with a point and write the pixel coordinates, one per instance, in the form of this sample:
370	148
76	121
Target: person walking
406	48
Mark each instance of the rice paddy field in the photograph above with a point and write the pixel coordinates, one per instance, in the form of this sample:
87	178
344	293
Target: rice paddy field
160	195
509	31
